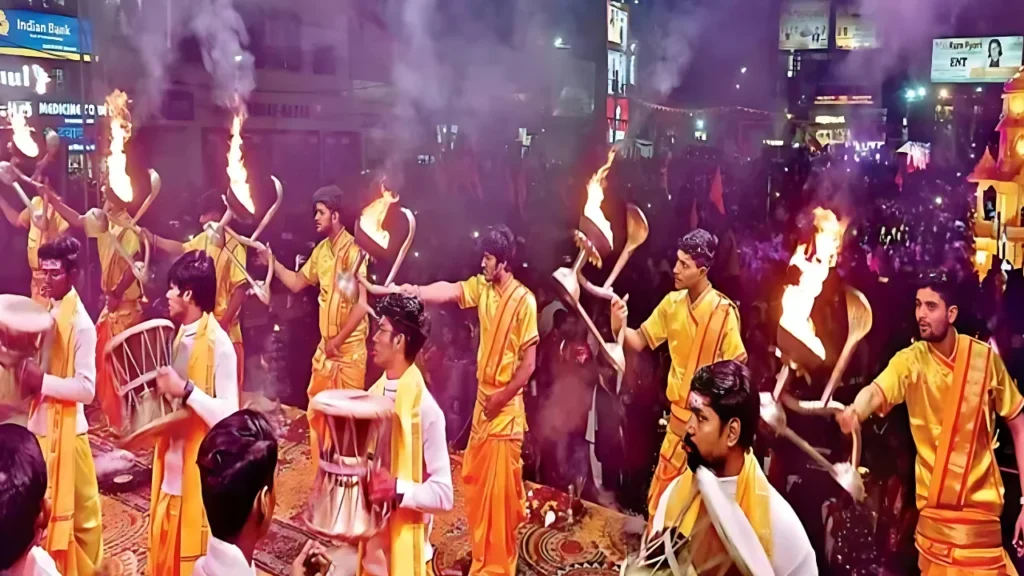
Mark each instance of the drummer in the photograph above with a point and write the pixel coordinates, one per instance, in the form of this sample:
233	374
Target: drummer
720	437
121	289
54	226
417	479
205	380
57	416
231	283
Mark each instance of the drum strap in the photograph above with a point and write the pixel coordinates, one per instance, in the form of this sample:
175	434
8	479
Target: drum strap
59	444
194	531
406	527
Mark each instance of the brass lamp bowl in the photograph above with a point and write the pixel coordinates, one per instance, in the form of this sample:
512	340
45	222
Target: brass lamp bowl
796	350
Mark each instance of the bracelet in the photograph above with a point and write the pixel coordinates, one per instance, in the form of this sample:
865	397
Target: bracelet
189	388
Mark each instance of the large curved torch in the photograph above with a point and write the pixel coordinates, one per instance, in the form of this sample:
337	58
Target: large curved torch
802	351
24	142
594	239
373	242
637	231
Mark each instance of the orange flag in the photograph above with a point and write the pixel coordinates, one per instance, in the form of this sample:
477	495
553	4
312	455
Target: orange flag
717	194
694	217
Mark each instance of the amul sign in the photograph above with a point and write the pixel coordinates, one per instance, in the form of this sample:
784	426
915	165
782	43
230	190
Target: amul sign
33	78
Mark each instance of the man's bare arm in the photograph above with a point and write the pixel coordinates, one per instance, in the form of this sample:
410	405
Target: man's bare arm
234	306
66	212
436	293
633	339
355	316
868	401
291	279
171	247
525	371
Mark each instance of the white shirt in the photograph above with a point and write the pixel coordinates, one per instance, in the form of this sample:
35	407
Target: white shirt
223	559
36	563
791	555
81	387
211	410
433	496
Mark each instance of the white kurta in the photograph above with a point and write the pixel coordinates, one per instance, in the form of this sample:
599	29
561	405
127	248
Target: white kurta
35	563
223	559
791	555
211	410
433	496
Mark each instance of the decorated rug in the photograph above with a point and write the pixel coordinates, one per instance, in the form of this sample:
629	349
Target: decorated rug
591	546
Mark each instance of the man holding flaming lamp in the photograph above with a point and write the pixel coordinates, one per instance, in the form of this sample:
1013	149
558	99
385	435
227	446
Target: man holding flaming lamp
701	326
231	281
340	358
953	386
492	467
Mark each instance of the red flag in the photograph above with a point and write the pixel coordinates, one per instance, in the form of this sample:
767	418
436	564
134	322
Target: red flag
694	218
717	194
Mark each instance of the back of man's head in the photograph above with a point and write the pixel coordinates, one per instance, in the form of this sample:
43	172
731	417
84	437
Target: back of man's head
237	460
22	492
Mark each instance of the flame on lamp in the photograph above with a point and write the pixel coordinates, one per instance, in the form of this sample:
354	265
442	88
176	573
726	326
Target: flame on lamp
237	173
798	299
120	132
595	195
1020	146
371	221
22	133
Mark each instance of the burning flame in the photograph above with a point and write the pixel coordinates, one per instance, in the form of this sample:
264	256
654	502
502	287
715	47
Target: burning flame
798	299
595	195
371	221
120	132
237	173
22	133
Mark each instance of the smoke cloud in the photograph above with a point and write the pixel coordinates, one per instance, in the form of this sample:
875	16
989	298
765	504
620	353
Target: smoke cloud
222	39
674	38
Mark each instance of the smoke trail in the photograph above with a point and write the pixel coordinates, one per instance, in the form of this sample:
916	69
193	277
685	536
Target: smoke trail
674	38
222	39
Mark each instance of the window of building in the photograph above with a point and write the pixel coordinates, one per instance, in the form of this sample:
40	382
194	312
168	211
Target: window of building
324	60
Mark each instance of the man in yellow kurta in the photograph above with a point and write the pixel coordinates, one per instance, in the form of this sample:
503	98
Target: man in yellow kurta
57	417
50	227
492	468
203	378
340	359
719	441
701	326
415	474
954	386
121	290
231	282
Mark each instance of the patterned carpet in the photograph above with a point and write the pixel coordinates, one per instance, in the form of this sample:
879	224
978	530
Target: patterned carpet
591	547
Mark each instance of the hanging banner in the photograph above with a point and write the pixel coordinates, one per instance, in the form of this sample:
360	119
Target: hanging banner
970	60
853	30
804	25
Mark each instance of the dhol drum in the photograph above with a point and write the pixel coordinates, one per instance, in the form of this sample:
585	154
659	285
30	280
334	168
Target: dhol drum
670	553
133	357
24	325
339	505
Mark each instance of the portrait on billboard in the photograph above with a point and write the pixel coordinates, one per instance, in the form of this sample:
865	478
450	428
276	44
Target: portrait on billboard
804	25
976	60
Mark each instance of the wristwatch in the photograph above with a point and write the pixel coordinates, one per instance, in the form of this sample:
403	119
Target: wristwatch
189	387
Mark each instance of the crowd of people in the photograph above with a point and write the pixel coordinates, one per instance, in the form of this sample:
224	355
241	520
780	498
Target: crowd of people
525	391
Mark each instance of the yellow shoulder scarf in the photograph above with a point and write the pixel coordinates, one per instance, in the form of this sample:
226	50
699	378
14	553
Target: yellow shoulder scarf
406	527
194	530
59	444
752	494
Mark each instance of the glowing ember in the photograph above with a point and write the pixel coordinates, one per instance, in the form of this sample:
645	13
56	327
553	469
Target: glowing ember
237	173
595	195
22	133
798	299
120	132
371	221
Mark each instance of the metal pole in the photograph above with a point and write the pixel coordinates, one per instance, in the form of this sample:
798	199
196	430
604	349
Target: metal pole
85	153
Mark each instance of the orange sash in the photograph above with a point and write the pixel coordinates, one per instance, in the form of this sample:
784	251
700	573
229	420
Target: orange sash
707	340
332	316
493	350
962	420
510	421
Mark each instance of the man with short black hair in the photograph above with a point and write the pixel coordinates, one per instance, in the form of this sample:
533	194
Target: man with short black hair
417	479
954	386
340	359
24	509
492	467
74	535
231	282
204	379
725	411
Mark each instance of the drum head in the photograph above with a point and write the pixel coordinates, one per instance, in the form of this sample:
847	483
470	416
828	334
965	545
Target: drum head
145	437
22	314
355	404
735	530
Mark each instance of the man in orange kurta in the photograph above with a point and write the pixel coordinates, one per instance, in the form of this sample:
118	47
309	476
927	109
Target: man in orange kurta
492	467
117	248
701	327
340	359
231	281
954	387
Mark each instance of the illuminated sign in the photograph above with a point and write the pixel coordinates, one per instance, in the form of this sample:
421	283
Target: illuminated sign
844	99
25	33
969	60
33	77
804	25
776	143
830	119
853	30
618	24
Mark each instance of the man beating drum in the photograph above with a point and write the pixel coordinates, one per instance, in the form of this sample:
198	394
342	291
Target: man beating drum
60	385
204	378
725	411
